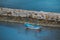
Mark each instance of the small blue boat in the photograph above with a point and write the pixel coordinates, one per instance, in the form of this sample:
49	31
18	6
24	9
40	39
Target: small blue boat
30	26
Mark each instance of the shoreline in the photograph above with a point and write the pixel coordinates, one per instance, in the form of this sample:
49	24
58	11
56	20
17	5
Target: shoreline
48	19
44	25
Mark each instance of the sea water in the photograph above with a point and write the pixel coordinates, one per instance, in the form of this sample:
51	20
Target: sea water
35	5
15	31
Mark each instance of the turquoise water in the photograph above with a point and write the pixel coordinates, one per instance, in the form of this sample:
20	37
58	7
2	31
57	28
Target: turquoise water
15	31
38	5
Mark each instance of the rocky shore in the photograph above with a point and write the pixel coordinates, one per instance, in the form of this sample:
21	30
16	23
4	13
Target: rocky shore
41	24
46	19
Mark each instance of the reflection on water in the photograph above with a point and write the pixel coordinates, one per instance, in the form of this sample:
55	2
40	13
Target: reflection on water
16	31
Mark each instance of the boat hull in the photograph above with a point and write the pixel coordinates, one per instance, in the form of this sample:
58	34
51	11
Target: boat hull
30	26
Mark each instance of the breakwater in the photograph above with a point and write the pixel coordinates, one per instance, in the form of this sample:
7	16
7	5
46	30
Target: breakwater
21	16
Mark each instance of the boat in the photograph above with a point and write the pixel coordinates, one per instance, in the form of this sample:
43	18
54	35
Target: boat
31	26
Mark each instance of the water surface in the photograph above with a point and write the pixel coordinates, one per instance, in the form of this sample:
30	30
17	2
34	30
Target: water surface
38	5
15	31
